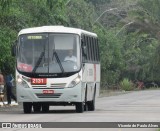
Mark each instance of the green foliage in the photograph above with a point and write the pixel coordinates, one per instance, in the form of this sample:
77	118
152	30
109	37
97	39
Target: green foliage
80	14
5	4
134	53
126	85
6	37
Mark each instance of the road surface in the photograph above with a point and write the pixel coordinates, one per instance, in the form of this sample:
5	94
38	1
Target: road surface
137	106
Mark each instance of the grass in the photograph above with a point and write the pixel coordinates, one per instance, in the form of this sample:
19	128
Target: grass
106	93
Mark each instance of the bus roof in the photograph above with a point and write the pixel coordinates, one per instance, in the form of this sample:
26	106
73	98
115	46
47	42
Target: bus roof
55	29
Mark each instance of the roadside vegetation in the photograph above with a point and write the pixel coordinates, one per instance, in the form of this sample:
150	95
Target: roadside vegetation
126	85
128	31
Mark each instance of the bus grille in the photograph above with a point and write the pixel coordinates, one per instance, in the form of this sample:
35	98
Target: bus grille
39	86
55	95
62	85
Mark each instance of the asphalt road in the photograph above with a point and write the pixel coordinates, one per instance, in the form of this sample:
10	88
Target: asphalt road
138	106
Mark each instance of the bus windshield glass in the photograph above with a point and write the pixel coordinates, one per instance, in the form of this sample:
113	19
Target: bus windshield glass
48	53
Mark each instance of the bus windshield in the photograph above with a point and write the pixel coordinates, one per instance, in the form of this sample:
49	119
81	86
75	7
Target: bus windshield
48	53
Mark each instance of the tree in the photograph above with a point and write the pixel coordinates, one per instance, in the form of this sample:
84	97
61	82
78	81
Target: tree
80	14
146	20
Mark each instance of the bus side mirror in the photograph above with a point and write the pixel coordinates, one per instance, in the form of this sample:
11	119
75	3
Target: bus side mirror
13	48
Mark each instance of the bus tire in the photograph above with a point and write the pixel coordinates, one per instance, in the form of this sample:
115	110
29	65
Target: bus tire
36	107
45	107
79	107
91	104
27	107
86	103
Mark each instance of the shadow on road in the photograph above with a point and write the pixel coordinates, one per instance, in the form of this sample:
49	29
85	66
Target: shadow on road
56	112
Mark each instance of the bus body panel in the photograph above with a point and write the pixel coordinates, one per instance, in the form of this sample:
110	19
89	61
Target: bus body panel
55	29
91	77
34	93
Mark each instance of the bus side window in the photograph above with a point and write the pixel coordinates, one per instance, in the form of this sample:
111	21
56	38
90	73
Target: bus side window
98	53
84	48
88	49
95	49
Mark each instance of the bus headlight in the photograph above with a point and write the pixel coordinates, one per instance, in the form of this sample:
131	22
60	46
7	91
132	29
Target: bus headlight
75	82
21	82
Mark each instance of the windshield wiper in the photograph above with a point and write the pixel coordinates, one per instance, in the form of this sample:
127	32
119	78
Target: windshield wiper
58	60
38	62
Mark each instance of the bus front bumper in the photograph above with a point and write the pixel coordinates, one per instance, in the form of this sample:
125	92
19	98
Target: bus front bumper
69	95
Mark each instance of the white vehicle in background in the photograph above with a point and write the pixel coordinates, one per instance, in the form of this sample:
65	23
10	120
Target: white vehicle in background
45	77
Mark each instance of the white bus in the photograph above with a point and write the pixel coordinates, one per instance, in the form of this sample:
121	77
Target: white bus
57	65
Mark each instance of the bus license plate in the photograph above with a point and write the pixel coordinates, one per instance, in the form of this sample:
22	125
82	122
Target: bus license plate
48	91
38	81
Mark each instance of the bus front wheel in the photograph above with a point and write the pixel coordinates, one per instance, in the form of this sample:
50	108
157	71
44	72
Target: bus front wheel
79	107
36	107
91	104
27	107
45	107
